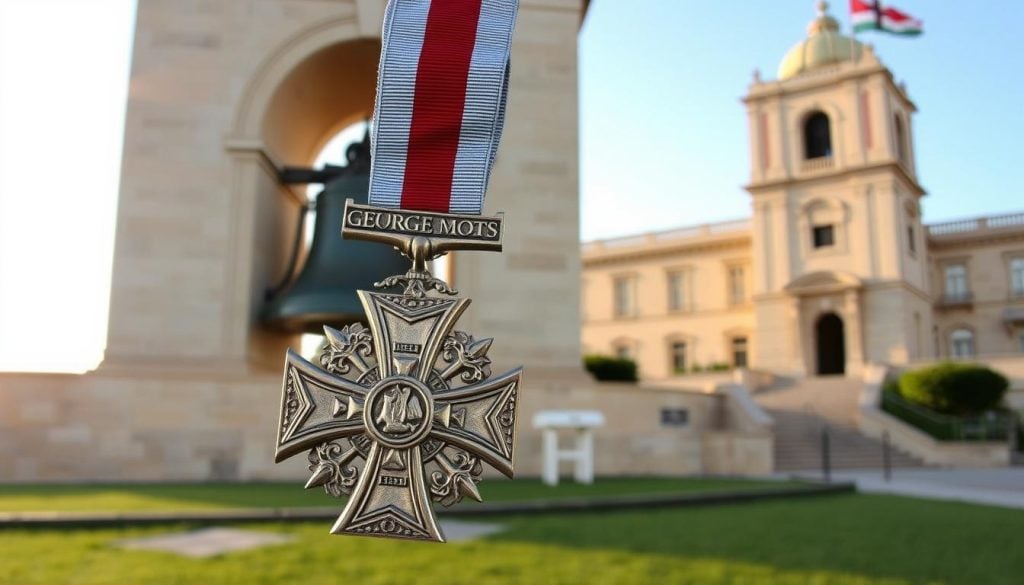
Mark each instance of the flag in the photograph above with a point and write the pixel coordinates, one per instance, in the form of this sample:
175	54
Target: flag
870	15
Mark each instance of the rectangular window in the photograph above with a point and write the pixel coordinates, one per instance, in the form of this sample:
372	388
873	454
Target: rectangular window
956	283
737	285
911	239
624	297
1017	277
739	352
677	287
675	291
679	357
823	236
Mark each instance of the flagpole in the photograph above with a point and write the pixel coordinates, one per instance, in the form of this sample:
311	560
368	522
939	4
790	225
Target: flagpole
853	41
853	38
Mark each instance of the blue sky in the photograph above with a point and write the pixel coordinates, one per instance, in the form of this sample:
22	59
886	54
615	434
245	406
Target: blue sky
662	131
662	127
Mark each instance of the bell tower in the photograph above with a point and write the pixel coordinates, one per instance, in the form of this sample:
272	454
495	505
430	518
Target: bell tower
840	265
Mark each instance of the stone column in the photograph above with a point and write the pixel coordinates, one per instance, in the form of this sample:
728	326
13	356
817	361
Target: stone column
798	355
853	331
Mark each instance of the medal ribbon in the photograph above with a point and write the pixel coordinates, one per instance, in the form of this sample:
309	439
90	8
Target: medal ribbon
441	93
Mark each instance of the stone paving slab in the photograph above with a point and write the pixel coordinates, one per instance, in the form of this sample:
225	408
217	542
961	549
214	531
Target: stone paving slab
206	542
216	540
461	531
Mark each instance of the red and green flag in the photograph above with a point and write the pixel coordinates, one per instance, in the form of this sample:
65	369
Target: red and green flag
871	15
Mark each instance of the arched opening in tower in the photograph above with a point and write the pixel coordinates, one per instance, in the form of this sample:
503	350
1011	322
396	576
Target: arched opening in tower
831	345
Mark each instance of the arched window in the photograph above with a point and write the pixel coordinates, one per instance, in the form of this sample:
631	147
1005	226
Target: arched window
961	343
817	136
901	138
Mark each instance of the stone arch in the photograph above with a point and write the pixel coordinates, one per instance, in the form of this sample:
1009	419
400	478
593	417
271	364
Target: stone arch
836	120
331	59
315	83
830	343
817	135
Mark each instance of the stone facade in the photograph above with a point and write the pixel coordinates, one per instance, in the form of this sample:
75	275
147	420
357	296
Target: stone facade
835	268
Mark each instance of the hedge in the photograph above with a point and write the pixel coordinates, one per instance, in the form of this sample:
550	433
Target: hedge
954	388
607	368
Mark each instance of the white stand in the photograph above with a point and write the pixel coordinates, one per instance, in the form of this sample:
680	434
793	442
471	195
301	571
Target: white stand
583	422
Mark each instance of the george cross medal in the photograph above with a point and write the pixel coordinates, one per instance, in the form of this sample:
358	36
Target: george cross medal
409	396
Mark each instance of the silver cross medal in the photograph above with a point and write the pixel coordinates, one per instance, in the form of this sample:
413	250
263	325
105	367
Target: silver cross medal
410	396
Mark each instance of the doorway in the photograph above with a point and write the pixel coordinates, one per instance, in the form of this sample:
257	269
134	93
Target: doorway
831	345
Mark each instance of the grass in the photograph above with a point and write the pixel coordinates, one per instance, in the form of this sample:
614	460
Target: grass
836	540
151	497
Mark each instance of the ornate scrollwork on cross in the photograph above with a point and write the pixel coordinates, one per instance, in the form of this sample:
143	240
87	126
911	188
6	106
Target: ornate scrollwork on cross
466	355
347	347
456	478
329	464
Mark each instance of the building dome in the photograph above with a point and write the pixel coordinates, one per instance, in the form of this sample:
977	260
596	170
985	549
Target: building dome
823	46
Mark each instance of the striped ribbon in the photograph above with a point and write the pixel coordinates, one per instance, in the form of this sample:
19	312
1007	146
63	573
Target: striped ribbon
441	93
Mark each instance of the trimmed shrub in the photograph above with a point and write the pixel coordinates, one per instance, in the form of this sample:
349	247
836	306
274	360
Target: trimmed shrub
954	388
719	367
610	369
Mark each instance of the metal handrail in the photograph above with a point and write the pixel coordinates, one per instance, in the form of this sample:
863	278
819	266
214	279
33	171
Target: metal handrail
994	426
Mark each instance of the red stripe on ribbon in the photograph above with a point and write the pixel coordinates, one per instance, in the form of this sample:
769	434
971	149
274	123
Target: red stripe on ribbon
438	103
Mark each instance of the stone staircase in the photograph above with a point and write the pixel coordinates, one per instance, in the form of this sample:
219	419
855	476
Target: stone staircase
802	407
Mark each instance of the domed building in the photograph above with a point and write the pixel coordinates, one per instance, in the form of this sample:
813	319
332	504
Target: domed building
823	46
835	270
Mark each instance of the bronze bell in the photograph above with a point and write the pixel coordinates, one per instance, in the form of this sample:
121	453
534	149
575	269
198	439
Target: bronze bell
324	292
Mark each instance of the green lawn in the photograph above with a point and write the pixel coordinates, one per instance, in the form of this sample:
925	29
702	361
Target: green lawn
127	497
844	539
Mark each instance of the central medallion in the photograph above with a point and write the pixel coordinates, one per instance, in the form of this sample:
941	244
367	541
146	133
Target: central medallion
398	412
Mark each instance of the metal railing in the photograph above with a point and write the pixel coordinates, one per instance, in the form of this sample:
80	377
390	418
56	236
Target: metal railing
995	426
953	299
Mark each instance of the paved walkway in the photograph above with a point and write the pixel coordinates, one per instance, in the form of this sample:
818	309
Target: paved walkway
994	487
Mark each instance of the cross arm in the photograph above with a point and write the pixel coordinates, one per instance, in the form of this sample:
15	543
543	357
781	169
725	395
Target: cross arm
482	419
316	406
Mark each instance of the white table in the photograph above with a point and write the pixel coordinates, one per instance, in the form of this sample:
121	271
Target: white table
583	422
